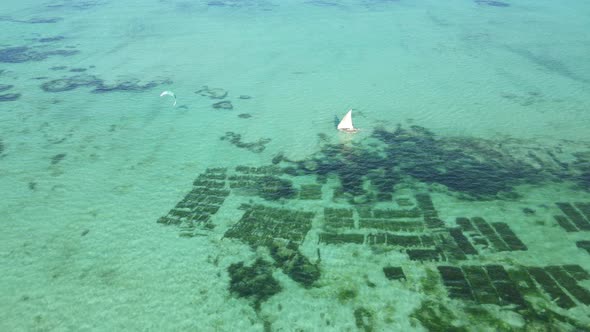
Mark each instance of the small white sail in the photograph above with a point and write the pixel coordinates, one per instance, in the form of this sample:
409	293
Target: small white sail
169	93
346	123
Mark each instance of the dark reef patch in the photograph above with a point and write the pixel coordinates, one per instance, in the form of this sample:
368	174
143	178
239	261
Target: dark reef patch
236	139
492	3
224	105
324	3
36	20
128	86
21	54
57	158
553	65
4	87
474	168
70	83
74	82
58	67
78	70
76	5
255	282
10	97
241	116
50	39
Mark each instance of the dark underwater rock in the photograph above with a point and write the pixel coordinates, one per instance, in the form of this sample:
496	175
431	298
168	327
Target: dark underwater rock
36	20
213	93
244	116
278	158
50	39
253	282
4	87
10	97
57	158
492	3
226	105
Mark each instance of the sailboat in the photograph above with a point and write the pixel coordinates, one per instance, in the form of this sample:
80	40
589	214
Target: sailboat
346	123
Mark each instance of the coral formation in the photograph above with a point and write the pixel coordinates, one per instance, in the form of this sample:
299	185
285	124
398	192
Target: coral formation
253	282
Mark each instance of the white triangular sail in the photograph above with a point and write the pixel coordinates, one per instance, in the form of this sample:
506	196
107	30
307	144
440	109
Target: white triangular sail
346	122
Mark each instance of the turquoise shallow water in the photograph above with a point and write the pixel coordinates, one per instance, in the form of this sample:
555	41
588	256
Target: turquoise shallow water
462	203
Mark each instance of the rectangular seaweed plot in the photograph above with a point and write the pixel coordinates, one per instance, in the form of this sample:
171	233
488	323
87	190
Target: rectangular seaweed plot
394	273
203	201
505	287
455	282
466	225
334	238
260	225
576	271
392	225
551	287
262	170
404	241
428	211
338	218
574	216
425	255
565	223
508	236
396	214
570	284
449	247
584	245
487	231
462	241
310	192
481	285
584	208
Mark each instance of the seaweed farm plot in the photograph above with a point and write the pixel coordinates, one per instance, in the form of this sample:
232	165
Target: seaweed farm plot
282	231
263	181
457	271
200	204
260	225
497	236
576	218
417	231
518	286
